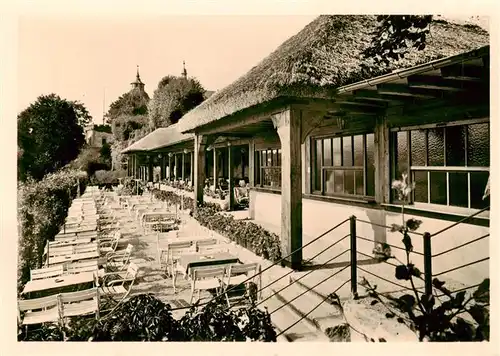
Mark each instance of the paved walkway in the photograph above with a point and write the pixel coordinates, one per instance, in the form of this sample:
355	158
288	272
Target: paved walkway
152	279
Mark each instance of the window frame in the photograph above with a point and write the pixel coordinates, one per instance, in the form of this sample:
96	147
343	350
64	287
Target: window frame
353	167
260	167
428	168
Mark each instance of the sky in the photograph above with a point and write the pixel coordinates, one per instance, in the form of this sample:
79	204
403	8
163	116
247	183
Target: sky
94	59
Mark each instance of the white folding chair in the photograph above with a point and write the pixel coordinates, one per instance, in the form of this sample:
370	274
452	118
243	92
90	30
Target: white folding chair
172	253
39	310
121	284
79	303
242	274
206	278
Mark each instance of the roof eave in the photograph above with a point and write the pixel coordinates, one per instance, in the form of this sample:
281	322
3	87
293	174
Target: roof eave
404	73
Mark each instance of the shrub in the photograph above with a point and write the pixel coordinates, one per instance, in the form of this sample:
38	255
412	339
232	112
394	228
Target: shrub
145	318
108	177
42	209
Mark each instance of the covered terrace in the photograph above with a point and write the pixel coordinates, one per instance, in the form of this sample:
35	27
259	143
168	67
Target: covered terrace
316	85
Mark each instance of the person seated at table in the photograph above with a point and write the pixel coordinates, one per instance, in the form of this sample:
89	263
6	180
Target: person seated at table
241	194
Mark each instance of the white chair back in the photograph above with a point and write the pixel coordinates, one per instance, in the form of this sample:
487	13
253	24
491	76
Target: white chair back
48	272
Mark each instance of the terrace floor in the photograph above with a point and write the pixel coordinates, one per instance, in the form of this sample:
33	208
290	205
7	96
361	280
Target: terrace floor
152	279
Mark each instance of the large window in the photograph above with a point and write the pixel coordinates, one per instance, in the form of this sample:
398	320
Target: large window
268	163
344	165
449	165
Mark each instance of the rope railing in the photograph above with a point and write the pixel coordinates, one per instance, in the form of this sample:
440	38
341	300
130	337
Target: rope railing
396	247
460	221
460	246
386	226
309	260
298	279
461	266
308	289
219	295
387	280
313	309
459	290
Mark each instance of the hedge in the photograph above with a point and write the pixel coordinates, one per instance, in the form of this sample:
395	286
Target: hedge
245	233
42	208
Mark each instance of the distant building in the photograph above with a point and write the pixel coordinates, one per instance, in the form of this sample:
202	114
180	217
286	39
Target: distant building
97	138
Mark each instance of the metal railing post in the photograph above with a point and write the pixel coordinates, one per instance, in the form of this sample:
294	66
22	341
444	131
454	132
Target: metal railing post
427	264
354	264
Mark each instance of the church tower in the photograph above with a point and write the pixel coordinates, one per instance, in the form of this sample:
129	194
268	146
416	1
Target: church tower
138	84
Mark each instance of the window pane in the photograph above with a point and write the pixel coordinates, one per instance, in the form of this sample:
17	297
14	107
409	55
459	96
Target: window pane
370	165
337	152
478	181
318	160
421	192
339	181
360	189
275	157
264	158
327	152
455	146
269	158
279	157
478	150
438	188
329	183
436	147
401	154
358	150
347	151
458	189
418	151
349	182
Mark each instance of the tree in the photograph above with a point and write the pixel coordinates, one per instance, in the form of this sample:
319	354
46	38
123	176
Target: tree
174	97
105	153
49	135
396	35
84	117
129	104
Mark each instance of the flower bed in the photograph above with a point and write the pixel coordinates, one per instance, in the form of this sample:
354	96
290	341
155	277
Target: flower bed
42	208
247	234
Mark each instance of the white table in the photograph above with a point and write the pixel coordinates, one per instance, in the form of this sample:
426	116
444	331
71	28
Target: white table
59	282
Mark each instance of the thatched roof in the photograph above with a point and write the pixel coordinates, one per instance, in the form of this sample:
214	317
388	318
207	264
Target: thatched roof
323	56
159	138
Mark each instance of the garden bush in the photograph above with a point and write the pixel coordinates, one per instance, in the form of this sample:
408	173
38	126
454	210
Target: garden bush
145	318
42	208
247	234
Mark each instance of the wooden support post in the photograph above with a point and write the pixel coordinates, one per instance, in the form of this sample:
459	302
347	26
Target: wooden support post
199	167
176	163
382	161
183	169
251	163
162	167
191	161
215	168
230	166
288	125
136	167
150	169
169	166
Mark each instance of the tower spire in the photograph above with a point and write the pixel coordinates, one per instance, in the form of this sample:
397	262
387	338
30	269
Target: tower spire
184	71
138	83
